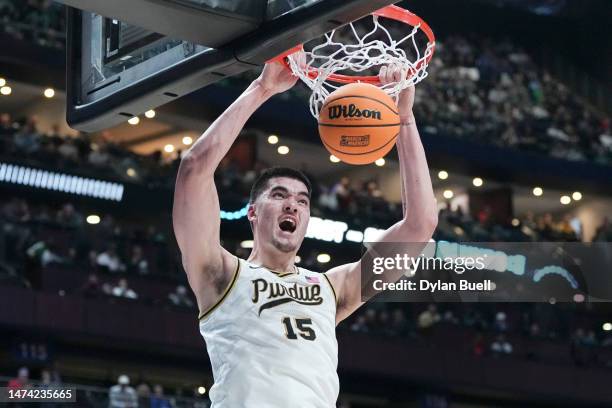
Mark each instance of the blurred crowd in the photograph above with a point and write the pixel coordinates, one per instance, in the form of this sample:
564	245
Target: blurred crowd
40	21
106	258
493	92
21	138
495	330
483	90
360	202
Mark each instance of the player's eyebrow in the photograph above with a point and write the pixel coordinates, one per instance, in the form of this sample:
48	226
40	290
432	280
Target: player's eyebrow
278	188
285	190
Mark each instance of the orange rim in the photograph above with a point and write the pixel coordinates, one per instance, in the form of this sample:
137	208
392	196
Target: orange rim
392	12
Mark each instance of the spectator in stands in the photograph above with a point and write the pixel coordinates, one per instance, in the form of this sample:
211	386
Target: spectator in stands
603	233
343	193
45	252
69	151
428	318
21	381
109	260
91	288
180	297
137	263
500	324
6	126
27	139
501	346
122	395
478	349
360	325
158	400
577	349
123	290
69	217
17	210
47	381
144	394
399	324
98	157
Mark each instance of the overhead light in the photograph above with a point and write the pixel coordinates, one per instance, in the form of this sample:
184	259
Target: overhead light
297	259
323	258
273	139
150	114
565	200
131	172
380	162
2	81
442	175
477	182
333	158
187	140
93	219
49	93
537	191
448	194
168	148
6	90
134	120
577	196
515	222
282	150
247	244
607	326
201	390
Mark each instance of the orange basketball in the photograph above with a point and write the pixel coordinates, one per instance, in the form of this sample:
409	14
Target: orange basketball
359	123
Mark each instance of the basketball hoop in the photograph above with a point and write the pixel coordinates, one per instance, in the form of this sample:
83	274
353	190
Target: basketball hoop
325	63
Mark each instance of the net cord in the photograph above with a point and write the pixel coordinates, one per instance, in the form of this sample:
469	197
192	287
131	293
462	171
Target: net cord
358	57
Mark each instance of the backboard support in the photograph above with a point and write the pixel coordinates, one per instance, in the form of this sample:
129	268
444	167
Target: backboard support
117	70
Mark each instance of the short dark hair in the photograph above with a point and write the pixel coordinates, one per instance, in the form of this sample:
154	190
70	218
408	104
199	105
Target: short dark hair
262	181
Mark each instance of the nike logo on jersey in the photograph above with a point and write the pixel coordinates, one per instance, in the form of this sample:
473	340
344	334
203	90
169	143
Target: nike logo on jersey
275	294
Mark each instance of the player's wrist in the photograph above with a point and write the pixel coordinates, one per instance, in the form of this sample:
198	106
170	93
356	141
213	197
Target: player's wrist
260	86
407	120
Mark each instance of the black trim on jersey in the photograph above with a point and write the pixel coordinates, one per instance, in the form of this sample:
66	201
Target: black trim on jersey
332	288
279	274
225	292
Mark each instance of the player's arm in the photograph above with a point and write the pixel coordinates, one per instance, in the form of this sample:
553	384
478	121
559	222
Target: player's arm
196	203
420	216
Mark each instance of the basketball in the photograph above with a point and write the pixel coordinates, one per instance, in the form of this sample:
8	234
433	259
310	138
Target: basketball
359	123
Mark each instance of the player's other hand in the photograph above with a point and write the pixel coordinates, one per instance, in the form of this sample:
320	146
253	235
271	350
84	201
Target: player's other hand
391	74
275	78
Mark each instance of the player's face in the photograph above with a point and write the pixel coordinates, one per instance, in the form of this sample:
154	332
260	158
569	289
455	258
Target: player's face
282	213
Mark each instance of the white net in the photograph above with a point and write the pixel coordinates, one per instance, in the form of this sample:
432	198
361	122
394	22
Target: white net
346	51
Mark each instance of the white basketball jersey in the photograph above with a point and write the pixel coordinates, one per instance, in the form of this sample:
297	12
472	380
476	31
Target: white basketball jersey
272	340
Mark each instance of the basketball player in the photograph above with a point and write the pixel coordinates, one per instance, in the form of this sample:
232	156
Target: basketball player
269	326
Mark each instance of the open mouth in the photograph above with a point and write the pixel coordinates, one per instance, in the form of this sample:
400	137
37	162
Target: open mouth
287	225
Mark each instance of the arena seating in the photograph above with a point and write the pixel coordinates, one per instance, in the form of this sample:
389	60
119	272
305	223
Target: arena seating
122	279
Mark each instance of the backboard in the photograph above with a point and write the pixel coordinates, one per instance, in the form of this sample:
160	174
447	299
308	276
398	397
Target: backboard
124	58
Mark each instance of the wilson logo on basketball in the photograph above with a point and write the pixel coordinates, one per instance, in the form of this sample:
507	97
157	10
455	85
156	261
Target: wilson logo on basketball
355	140
352	111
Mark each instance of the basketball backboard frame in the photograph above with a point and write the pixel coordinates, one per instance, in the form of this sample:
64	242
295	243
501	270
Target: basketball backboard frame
114	103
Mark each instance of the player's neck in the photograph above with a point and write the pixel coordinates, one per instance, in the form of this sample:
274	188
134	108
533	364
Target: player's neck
275	261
